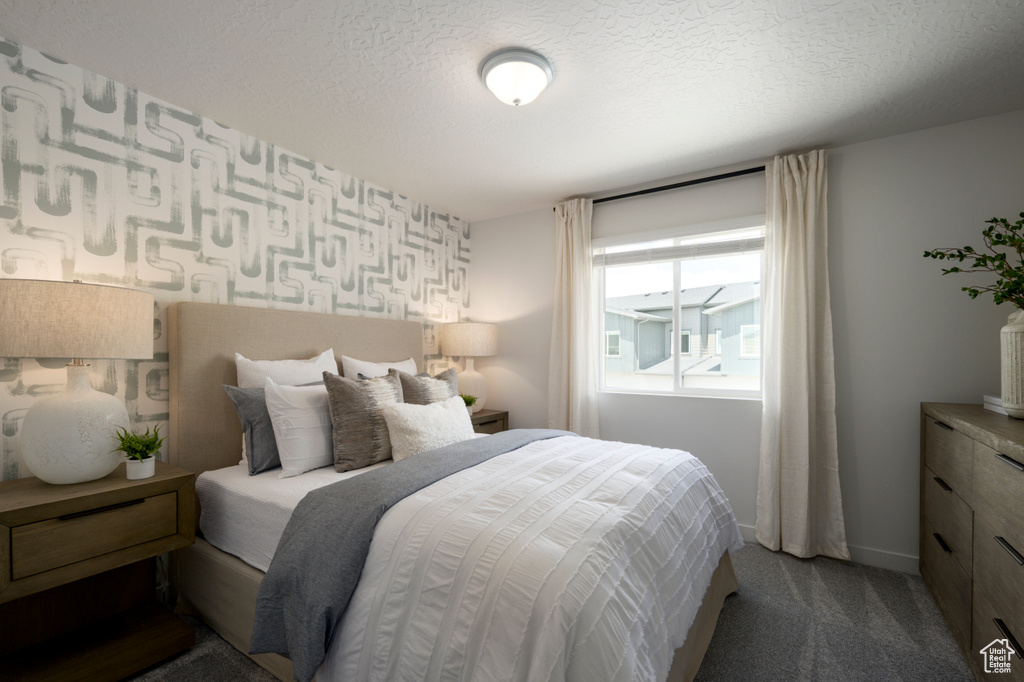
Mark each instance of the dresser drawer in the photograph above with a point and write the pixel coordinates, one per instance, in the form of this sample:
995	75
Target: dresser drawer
999	574
985	630
950	454
949	582
999	480
949	516
64	540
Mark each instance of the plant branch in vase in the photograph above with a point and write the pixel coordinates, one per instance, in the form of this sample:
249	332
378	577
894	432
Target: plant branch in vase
1002	255
470	401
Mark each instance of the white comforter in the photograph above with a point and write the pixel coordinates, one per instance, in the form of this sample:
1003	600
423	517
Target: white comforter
568	559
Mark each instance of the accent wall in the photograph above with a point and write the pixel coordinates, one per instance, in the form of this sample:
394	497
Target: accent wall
108	185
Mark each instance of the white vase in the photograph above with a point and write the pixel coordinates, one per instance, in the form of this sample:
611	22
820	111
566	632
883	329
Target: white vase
141	468
1011	343
71	436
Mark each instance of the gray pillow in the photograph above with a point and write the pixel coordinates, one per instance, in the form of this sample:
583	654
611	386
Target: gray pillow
257	429
360	433
423	390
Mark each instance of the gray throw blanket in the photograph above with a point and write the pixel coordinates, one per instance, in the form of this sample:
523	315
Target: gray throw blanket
324	546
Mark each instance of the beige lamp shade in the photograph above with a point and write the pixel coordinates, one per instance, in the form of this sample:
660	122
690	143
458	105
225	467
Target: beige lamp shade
469	339
45	319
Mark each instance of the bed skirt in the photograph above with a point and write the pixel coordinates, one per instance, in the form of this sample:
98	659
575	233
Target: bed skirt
221	589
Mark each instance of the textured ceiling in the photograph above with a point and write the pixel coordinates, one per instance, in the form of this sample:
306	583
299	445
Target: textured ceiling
388	90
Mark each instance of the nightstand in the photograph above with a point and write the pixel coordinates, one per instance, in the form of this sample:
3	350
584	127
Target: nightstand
77	574
490	421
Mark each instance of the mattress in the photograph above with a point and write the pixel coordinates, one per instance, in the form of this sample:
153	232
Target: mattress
245	515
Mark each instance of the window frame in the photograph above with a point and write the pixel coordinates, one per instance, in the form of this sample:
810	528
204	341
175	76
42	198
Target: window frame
689	347
681	233
743	353
607	338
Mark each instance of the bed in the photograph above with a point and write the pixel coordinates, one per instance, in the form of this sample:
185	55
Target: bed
204	435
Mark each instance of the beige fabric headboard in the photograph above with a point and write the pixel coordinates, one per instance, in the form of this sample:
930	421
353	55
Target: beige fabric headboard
203	339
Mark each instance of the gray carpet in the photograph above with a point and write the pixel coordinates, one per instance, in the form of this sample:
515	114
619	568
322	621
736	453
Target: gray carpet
820	619
792	619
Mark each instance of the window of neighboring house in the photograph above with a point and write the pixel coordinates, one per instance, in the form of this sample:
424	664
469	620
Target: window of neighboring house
750	341
691	285
611	345
684	342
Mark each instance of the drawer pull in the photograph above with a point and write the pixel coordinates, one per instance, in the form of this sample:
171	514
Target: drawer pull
1011	461
943	426
942	543
97	510
1010	550
943	485
1005	632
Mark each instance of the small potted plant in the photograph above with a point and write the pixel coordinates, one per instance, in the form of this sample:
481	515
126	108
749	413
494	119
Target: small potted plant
140	450
470	400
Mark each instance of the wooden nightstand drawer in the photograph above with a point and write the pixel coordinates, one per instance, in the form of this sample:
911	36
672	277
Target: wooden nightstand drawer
64	540
52	535
490	421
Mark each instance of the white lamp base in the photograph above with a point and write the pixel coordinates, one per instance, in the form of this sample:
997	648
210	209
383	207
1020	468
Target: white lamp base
71	437
472	382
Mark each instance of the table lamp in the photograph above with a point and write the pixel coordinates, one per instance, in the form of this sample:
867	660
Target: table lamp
469	340
69	437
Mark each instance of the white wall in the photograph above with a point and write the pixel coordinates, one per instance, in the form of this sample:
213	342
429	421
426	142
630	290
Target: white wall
904	333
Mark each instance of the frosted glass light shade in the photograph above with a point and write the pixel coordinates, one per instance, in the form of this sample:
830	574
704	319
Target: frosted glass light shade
516	76
70	437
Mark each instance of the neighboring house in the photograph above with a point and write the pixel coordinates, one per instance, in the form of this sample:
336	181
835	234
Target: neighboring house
719	333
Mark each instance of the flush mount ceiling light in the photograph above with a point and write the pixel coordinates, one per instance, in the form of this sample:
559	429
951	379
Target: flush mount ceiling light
516	76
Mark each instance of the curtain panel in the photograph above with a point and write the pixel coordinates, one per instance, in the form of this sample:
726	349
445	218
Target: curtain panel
573	361
799	505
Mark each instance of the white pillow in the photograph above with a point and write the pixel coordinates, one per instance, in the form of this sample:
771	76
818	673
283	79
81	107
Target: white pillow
254	373
352	368
417	428
302	426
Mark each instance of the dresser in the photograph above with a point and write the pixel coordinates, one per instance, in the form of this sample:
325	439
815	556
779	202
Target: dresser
972	529
490	421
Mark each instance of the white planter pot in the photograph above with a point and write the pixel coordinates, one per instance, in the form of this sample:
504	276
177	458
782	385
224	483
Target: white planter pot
141	468
1011	343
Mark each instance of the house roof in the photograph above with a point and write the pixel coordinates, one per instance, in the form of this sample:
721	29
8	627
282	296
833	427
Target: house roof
709	296
731	304
637	315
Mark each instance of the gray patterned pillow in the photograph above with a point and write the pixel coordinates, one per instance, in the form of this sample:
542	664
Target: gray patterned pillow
423	390
360	433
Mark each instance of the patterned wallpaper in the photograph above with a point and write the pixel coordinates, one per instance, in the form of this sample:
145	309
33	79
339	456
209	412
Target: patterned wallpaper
106	184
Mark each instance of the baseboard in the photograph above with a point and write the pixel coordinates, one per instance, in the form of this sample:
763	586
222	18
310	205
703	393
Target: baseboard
894	561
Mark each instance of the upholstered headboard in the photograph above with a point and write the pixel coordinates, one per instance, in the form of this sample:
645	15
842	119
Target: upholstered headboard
203	339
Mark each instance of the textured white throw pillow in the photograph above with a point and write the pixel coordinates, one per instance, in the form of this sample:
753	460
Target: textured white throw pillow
254	373
417	428
302	426
352	368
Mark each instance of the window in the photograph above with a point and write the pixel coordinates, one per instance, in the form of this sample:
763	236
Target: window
703	289
750	341
611	344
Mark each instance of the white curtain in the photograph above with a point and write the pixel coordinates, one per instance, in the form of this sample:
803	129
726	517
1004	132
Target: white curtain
572	373
799	506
